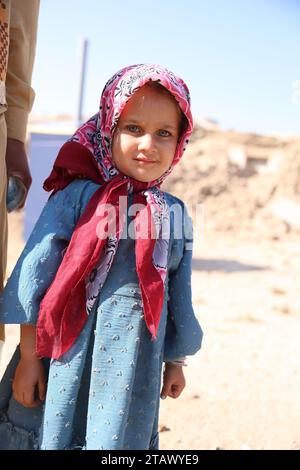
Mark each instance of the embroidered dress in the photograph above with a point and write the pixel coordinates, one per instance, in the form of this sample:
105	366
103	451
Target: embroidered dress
104	392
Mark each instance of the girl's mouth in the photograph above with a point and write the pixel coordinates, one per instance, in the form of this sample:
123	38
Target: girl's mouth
140	160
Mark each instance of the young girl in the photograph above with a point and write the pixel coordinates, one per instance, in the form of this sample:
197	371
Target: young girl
105	277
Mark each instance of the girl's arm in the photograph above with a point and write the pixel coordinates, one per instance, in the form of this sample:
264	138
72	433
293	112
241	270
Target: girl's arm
32	276
183	333
29	384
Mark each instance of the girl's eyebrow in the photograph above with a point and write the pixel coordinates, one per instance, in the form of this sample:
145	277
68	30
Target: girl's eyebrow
159	125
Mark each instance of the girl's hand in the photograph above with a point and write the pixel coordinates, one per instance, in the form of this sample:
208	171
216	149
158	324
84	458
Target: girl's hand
29	384
173	381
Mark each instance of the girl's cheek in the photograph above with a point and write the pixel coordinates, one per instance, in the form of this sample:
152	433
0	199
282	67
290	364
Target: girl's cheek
122	144
126	142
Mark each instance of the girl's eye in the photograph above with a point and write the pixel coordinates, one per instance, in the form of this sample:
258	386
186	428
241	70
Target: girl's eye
163	133
133	128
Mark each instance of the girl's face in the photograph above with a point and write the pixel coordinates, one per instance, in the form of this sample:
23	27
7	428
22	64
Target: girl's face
146	136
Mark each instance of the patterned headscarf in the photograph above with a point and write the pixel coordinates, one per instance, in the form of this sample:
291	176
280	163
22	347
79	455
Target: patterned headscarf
87	261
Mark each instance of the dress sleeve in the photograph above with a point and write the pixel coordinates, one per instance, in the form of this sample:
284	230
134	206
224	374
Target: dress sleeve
183	332
42	255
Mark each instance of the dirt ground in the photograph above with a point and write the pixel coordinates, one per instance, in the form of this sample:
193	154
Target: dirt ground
243	387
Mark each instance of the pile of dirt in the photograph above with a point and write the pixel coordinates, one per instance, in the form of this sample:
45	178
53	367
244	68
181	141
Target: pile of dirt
248	184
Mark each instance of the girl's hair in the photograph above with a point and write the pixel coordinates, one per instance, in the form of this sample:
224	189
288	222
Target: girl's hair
183	124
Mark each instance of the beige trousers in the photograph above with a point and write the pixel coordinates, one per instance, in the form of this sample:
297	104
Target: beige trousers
3	212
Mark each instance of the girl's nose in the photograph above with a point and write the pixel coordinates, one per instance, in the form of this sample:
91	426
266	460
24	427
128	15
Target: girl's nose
146	143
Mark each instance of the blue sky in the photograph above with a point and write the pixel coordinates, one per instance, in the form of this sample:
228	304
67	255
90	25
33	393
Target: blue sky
240	59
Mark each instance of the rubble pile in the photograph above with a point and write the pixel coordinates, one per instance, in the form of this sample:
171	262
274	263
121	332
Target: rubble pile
249	184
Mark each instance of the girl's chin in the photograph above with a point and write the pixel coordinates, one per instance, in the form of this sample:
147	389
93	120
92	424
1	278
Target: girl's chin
143	175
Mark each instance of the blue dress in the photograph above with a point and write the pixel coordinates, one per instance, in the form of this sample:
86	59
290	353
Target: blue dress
104	392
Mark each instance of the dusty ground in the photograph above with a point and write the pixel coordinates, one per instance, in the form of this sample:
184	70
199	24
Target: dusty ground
243	387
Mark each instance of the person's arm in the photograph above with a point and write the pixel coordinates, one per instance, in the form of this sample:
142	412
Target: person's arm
32	276
22	44
29	384
183	333
19	94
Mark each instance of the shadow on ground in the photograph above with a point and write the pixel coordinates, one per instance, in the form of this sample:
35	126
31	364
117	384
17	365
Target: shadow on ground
225	265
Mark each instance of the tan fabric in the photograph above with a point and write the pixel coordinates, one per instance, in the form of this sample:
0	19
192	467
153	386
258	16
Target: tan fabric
3	213
22	40
18	25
